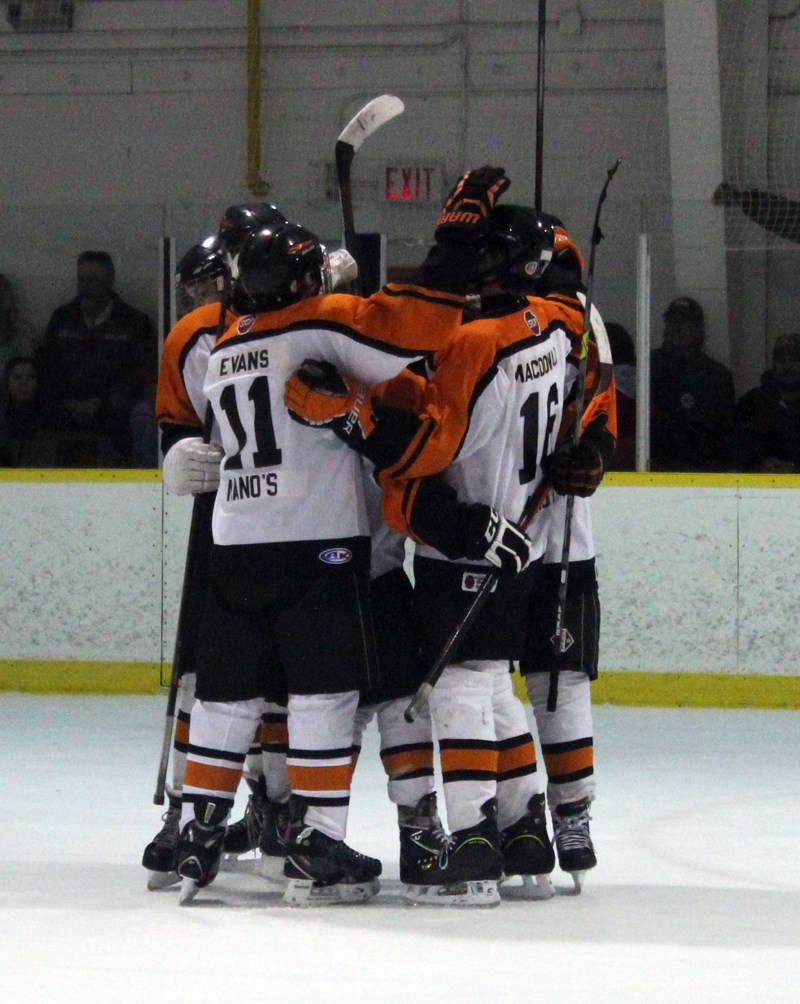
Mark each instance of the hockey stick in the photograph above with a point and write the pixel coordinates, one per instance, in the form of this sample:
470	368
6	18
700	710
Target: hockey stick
192	546
560	635
540	41
372	116
532	506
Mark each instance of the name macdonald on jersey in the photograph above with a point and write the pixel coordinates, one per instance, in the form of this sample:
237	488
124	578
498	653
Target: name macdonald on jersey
258	359
538	367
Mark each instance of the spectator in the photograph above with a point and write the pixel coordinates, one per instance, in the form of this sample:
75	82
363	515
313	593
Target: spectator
17	337
692	397
24	438
98	358
623	354
768	416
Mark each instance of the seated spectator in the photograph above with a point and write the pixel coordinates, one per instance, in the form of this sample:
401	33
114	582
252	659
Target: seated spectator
768	416
692	397
623	353
25	440
17	337
98	358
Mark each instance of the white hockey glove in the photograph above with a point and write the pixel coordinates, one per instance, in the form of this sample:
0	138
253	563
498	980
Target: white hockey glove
339	271
192	467
500	542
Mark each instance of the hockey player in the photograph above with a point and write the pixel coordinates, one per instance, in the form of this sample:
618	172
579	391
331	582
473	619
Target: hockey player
566	731
487	418
191	466
287	603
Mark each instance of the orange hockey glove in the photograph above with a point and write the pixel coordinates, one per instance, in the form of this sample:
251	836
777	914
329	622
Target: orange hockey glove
318	394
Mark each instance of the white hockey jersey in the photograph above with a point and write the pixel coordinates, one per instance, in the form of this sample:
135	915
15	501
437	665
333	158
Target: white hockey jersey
283	482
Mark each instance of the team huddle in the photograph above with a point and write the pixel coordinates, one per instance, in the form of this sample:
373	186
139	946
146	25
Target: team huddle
320	431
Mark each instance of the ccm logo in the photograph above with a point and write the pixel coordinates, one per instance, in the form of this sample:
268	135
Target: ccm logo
336	556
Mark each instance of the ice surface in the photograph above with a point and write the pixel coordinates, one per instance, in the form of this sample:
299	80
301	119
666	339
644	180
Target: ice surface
696	897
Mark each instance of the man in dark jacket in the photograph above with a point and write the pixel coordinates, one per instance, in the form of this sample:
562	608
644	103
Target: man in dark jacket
768	416
692	397
98	357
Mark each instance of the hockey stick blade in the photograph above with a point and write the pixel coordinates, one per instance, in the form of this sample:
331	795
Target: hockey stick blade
372	116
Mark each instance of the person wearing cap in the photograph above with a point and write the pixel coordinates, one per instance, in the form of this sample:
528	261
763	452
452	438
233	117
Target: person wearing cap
768	416
692	397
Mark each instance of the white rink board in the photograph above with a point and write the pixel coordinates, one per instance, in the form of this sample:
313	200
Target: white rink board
691	579
81	571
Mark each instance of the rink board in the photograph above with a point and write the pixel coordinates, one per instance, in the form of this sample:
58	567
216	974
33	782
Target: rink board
698	583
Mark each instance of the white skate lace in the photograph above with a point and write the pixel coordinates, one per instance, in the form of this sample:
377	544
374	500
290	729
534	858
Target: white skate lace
572	832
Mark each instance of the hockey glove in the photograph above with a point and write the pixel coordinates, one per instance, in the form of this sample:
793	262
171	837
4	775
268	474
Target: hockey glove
574	469
497	540
192	467
339	271
318	394
466	212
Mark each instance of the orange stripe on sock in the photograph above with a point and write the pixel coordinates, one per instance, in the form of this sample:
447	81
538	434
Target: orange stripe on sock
568	763
211	777
468	759
512	759
407	762
275	733
322	778
181	732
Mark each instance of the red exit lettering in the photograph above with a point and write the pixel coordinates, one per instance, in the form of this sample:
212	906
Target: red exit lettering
409	184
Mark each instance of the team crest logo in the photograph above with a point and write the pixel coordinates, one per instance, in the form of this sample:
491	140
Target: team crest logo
336	556
532	321
245	324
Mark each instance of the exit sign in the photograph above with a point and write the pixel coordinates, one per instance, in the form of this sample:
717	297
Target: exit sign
411	184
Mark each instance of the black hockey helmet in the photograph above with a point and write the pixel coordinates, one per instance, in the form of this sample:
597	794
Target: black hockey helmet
238	222
278	266
199	276
519	246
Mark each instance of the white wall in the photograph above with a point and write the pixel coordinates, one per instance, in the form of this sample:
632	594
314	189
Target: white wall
134	125
692	579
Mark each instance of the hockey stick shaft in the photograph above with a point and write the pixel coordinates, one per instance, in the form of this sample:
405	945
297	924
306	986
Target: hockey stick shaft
560	634
364	123
194	542
532	506
539	156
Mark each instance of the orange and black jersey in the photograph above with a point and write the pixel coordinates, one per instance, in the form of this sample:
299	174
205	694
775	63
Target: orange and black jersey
282	482
180	402
489	415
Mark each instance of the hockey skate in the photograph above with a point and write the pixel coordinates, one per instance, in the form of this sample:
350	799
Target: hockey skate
272	841
460	870
322	871
159	855
573	842
242	837
200	847
527	851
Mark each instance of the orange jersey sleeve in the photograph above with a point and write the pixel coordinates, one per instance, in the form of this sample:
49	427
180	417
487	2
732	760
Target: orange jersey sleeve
173	398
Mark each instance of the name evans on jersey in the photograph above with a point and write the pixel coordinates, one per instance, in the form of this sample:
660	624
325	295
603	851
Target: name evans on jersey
243	362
